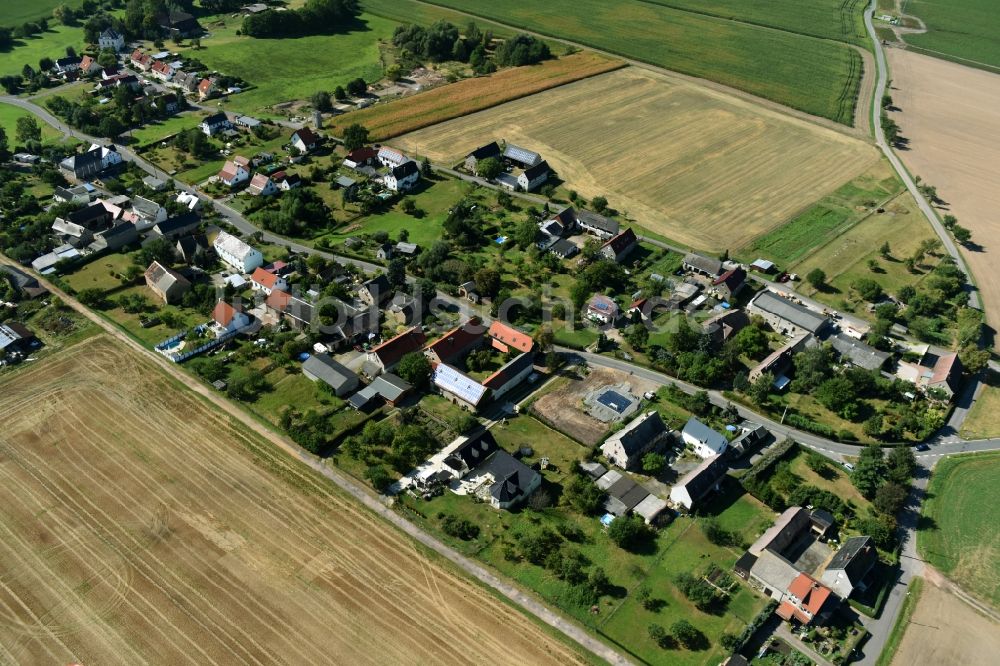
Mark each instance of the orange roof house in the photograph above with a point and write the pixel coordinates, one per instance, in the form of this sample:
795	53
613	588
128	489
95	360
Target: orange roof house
504	337
807	600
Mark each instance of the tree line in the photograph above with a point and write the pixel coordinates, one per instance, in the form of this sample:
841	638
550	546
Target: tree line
314	18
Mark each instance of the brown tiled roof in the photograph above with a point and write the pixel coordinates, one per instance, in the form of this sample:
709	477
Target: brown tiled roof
390	351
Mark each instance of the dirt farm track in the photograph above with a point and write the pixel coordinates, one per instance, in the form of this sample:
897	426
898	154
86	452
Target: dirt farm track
140	526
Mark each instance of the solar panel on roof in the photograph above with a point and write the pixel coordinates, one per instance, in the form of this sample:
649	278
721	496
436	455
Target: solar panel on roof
455	382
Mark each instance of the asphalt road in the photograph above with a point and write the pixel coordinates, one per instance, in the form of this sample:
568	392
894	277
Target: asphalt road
876	111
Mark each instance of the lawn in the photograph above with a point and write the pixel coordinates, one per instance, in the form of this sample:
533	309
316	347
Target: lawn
983	421
835	480
283	70
716	173
827	219
959	534
840	20
385	121
100	274
49	44
160	129
965	30
435	199
846	258
8	121
525	430
818	77
16	12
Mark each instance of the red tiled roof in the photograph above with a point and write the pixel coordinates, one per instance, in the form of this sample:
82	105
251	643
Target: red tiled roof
510	336
621	241
390	351
264	278
638	303
204	86
457	341
242	161
223	313
732	277
259	181
810	592
361	154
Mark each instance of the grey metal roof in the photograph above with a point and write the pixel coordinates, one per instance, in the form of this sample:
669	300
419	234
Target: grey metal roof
793	313
390	386
328	370
703	263
703	478
594	221
855	557
774	570
701	432
858	352
512	478
640	432
522	155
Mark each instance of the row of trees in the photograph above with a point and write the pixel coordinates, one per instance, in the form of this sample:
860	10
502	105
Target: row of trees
443	41
316	17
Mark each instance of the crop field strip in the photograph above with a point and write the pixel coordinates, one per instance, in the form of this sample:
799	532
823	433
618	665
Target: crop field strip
717	171
966	31
796	70
385	121
142	527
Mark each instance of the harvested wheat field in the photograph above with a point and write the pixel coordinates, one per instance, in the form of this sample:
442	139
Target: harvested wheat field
384	121
562	405
139	526
951	116
945	630
695	165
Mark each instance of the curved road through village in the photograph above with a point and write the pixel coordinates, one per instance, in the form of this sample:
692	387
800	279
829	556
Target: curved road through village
944	443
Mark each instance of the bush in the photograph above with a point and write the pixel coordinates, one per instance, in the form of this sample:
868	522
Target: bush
630	532
460	528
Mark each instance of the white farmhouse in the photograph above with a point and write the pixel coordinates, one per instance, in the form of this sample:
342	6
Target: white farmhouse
109	39
705	441
236	253
403	177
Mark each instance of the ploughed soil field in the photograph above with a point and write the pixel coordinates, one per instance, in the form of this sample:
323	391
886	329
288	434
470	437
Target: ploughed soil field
950	116
695	165
140	526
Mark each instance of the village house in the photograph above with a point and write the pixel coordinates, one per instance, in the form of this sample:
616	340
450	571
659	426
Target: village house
858	353
206	88
456	344
724	325
532	177
168	285
141	61
179	24
468	455
79	194
88	65
458	387
603	309
320	367
727	285
521	157
67	64
751	437
292	309
699	263
28	286
215	123
235	171
109	39
384	357
619	247
626	447
505	480
510	375
848	569
696	485
15	337
359	157
191	248
304	140
161	70
402	178
389	157
787	317
807	601
114	238
175	227
936	370
286	181
779	361
489	151
265	281
406	250
348	186
467	290
91	163
705	441
597	225
261	185
236	253
186	81
147	213
375	292
228	318
384	251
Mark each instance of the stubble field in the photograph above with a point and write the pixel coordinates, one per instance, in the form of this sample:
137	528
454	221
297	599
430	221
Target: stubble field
140	526
700	167
951	116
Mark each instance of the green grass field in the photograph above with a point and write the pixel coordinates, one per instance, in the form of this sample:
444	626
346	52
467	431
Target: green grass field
8	121
965	30
49	44
826	220
830	19
282	70
164	128
812	75
961	536
16	12
983	420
